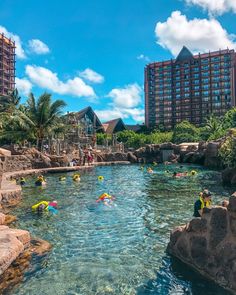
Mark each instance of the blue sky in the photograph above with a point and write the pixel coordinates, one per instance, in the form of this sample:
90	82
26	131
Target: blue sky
94	52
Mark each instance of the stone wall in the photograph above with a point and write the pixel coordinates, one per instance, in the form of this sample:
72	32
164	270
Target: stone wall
208	244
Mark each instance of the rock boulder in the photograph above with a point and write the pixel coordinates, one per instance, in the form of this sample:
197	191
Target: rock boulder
208	244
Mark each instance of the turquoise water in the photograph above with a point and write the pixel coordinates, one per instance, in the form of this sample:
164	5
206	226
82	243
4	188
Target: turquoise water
119	249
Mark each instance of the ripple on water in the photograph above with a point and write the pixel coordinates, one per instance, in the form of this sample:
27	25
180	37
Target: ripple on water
118	250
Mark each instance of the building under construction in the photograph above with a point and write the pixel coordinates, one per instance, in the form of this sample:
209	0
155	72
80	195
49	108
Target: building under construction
7	65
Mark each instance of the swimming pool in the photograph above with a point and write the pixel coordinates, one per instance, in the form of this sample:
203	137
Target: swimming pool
119	249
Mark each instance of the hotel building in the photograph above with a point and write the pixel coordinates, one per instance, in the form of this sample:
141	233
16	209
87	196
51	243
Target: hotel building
7	65
190	87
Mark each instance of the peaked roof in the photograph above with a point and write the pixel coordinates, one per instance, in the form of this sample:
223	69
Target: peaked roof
134	128
185	54
114	126
90	113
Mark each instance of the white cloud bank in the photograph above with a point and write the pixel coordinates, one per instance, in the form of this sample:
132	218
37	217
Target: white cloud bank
38	47
125	104
199	35
45	78
91	76
23	85
20	53
215	6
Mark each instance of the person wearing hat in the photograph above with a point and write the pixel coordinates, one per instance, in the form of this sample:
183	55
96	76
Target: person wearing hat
204	201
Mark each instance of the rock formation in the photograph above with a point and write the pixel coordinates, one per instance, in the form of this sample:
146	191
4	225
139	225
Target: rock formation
208	244
12	243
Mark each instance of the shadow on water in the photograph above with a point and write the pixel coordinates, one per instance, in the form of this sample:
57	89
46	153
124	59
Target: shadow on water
176	278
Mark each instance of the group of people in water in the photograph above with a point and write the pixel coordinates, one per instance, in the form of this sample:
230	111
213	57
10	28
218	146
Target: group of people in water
52	206
175	174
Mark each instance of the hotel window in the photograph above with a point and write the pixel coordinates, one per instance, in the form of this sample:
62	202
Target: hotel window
196	75
205	93
205	98
216	59
196	69
215	85
196	81
205	80
216	98
216	72
196	87
177	84
215	67
205	74
177	96
177	89
186	76
215	79
186	83
216	92
196	93
205	68
186	71
205	87
205	60
186	89
186	95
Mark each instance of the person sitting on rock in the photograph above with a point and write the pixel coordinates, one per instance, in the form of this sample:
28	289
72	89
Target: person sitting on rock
204	201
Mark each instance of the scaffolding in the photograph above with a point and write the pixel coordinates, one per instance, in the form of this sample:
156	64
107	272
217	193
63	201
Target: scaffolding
7	65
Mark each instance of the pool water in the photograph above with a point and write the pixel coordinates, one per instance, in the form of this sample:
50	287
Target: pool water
119	249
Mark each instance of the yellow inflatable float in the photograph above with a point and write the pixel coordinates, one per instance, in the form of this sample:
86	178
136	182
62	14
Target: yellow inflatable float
35	207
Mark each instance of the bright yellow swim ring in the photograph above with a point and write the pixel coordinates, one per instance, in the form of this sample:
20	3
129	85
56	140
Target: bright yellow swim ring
100	178
34	207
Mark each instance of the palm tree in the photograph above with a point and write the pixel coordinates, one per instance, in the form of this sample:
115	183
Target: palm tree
44	115
213	124
8	103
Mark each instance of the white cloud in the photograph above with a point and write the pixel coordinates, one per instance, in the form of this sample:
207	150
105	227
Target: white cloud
215	6
20	53
127	97
136	114
23	85
91	76
45	78
126	103
38	47
199	35
143	57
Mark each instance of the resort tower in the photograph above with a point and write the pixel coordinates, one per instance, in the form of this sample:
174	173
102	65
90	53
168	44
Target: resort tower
7	65
190	87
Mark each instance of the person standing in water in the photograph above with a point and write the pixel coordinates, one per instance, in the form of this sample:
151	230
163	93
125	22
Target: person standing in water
204	201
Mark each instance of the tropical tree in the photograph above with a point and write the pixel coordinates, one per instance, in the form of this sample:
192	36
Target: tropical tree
186	132
44	115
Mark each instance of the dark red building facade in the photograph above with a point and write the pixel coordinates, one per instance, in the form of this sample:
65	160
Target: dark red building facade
190	87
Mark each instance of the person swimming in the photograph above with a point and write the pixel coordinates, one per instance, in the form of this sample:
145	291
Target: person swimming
22	181
149	170
40	181
178	175
106	199
45	206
